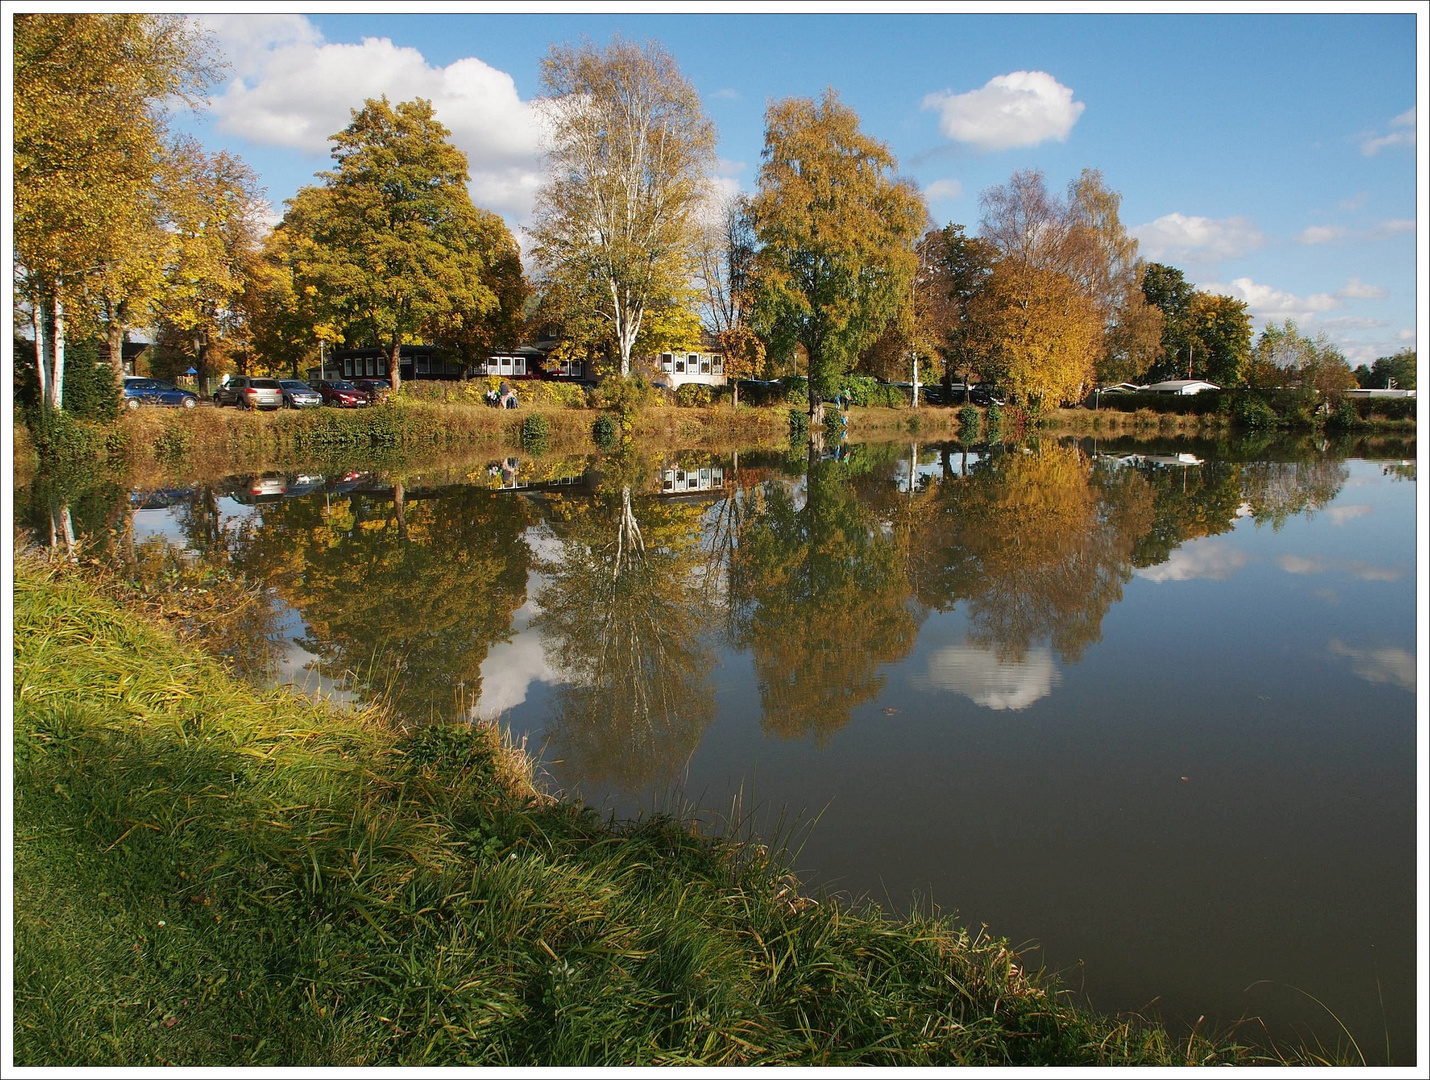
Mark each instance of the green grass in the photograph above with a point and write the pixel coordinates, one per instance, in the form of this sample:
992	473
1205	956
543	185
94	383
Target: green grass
206	874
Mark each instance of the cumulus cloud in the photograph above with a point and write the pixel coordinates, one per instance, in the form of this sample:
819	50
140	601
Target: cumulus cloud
291	88
1264	301
1022	108
1213	560
1356	289
512	666
944	189
726	94
1402	133
1383	665
1181	237
985	680
1319	564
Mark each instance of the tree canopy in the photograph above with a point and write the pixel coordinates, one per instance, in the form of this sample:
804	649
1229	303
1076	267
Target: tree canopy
837	230
389	247
628	153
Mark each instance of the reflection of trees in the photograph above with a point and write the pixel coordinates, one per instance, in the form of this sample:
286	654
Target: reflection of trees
402	595
1187	503
623	619
1037	544
1277	490
820	594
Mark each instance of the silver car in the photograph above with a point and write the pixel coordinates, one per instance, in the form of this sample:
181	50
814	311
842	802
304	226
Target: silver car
299	395
248	392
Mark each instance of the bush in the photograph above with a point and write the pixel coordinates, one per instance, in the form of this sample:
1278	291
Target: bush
694	395
969	421
1254	413
534	432
604	432
798	425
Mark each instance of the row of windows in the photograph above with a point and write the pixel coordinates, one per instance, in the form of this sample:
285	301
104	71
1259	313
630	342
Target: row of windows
503	365
709	479
693	363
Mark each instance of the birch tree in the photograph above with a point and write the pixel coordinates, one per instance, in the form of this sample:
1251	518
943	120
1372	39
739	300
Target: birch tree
628	154
89	106
726	272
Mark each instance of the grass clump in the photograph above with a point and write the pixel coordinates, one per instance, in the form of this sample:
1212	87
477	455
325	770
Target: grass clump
208	874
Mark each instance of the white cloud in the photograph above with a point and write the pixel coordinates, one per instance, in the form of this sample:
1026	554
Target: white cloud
1329	234
985	680
1177	237
1394	227
512	666
1213	560
1022	108
1383	665
1339	515
726	94
1402	135
1405	335
944	189
1266	302
290	88
1321	234
1356	289
1317	564
1356	201
1352	322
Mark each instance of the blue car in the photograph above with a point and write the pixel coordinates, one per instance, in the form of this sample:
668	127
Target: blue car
139	391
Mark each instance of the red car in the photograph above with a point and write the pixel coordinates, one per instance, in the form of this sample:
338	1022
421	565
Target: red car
340	393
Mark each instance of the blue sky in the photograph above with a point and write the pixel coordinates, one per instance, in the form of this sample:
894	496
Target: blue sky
1271	157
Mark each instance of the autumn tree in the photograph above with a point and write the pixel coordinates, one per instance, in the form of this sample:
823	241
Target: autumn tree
89	110
1283	354
215	212
1083	238
837	231
390	243
725	261
1039	334
1394	372
628	153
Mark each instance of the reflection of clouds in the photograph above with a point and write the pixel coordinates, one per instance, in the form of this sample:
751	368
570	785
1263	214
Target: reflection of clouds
512	666
1316	564
981	677
1214	559
1339	515
1385	665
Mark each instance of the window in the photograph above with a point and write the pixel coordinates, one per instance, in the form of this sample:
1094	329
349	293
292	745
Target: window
518	365
692	363
680	366
422	365
347	368
666	362
717	364
705	365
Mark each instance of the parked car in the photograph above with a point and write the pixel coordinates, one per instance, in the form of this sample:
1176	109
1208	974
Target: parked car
340	393
299	395
142	391
377	390
248	392
982	395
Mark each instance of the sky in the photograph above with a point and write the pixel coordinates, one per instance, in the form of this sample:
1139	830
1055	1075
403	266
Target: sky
1270	157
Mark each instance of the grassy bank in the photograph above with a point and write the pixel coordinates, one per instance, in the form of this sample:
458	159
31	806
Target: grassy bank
206	874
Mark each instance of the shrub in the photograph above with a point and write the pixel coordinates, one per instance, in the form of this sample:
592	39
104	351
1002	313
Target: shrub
694	395
604	432
969	421
1254	413
798	425
534	432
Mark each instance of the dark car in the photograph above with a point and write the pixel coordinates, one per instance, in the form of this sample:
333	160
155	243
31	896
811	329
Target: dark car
141	391
982	395
249	392
377	390
340	393
299	395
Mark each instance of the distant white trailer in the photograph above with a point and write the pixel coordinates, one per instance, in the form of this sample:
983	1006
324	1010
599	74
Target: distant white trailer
1380	393
1180	386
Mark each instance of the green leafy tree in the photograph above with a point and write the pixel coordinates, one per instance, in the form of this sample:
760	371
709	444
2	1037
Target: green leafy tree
1285	356
1394	372
615	224
389	247
1220	334
837	231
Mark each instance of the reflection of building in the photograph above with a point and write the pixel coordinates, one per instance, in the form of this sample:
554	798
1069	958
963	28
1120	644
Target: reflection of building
680	481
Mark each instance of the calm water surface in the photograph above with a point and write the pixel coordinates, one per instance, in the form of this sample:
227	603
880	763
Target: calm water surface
1148	711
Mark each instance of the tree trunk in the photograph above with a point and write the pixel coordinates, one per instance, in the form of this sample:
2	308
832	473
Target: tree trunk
41	352
399	505
394	366
201	365
115	334
56	345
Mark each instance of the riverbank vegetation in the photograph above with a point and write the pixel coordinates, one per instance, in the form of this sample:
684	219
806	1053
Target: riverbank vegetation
209	874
